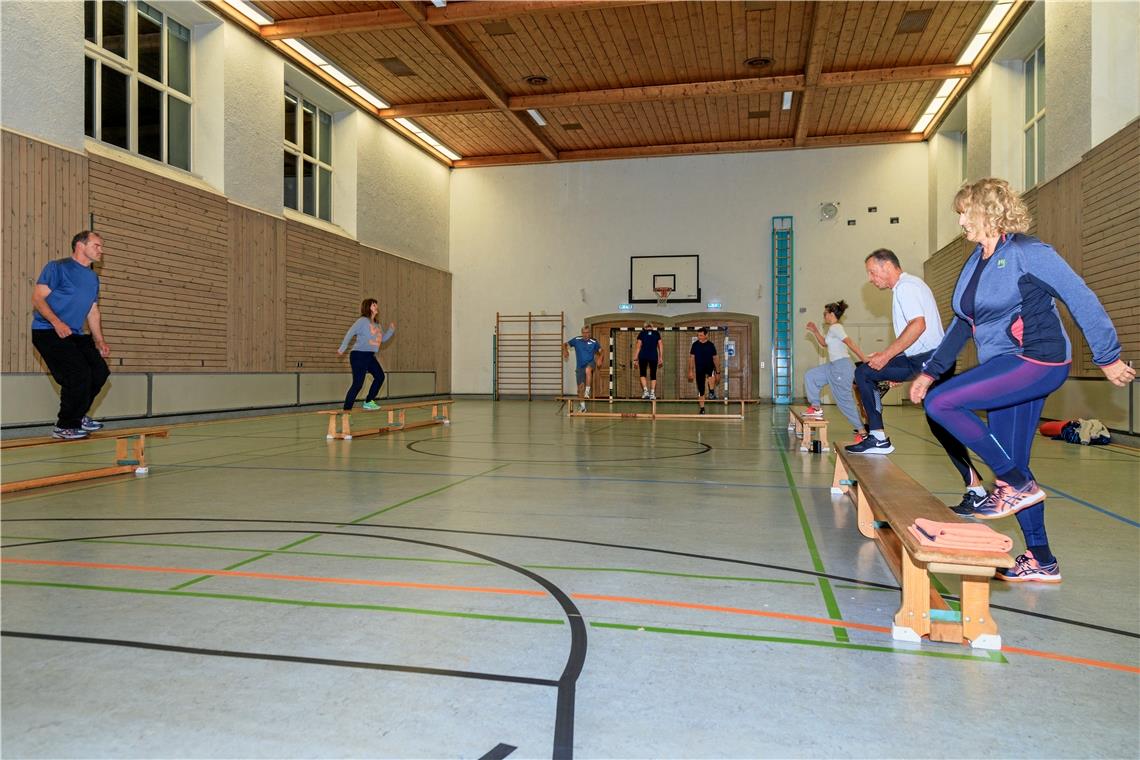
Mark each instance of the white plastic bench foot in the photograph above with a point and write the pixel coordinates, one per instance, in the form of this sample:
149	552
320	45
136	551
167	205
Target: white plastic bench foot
987	641
142	470
837	491
904	633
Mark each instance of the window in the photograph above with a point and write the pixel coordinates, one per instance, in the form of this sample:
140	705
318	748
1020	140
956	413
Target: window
307	175
1035	117
137	80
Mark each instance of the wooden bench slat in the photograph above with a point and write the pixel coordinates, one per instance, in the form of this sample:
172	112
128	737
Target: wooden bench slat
19	443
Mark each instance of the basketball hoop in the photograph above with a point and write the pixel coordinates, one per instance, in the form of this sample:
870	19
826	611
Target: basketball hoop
663	295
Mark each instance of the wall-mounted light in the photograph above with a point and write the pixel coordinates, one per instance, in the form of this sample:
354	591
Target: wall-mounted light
625	307
788	100
714	305
534	114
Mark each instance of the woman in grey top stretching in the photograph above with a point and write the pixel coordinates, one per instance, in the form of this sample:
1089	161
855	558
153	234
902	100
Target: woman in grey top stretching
366	331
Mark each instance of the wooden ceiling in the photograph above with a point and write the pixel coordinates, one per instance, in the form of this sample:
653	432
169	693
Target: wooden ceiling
648	78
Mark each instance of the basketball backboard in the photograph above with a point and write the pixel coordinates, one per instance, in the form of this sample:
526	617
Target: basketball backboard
682	273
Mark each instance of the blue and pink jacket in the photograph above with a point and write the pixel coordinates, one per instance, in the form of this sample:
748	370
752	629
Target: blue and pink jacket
1015	311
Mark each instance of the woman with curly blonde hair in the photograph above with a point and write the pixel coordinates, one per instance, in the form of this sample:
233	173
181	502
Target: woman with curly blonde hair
1004	299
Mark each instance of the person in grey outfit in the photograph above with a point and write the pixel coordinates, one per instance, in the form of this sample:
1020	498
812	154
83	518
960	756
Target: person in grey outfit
839	372
366	332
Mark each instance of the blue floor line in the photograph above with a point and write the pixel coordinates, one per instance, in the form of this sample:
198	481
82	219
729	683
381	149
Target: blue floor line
1090	505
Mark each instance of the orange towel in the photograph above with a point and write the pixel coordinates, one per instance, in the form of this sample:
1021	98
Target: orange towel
969	536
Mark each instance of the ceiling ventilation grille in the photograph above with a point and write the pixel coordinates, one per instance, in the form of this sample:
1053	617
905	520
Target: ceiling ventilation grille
571	126
914	21
498	28
396	66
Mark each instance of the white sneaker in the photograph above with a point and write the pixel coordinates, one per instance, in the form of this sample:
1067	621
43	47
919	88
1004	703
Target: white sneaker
645	393
652	395
587	392
581	406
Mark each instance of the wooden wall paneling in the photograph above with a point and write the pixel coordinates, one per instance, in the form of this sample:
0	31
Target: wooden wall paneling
443	345
1110	232
322	296
255	322
388	294
44	192
941	273
165	273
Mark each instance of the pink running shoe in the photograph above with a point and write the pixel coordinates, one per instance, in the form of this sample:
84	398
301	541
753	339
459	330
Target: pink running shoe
1005	500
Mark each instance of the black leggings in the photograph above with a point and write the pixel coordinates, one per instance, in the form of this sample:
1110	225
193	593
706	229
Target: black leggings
363	362
648	365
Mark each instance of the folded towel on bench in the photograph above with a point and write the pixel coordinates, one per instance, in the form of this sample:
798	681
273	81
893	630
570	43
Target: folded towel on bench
969	536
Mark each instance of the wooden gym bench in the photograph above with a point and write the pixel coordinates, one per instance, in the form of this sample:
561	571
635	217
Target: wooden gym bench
803	427
572	408
396	419
888	501
130	456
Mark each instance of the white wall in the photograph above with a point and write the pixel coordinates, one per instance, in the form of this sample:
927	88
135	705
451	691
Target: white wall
530	238
1115	67
41	52
1068	85
254	124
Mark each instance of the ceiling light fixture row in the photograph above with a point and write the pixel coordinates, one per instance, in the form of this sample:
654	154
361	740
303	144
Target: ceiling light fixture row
969	55
317	60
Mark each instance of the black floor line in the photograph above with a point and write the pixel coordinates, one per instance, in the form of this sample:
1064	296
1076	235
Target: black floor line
648	549
281	658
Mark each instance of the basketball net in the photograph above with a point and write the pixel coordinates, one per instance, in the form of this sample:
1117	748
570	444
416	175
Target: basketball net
663	295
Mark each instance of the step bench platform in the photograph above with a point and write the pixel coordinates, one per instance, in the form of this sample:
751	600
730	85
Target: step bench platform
397	419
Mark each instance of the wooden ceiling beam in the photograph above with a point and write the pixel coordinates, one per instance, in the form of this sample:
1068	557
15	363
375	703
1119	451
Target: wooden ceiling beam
818	42
441	108
451	46
731	146
455	13
892	75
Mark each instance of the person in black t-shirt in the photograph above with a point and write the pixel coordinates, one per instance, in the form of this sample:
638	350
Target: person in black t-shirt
648	359
703	365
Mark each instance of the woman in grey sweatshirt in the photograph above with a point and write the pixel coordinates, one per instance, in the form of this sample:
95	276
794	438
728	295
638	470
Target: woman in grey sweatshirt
366	331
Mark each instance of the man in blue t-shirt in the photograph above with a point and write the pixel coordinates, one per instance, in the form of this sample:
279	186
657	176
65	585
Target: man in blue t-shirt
702	365
65	299
587	352
648	359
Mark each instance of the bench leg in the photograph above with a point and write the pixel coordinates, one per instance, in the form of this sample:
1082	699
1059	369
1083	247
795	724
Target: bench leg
840	481
978	625
823	439
346	426
805	440
864	517
912	621
332	427
791	421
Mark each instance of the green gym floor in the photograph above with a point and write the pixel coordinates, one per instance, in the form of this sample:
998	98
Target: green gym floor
522	584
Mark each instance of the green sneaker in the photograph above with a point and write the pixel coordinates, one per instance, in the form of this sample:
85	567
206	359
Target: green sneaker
370	406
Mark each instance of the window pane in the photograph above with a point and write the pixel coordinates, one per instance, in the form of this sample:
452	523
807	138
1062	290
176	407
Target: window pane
90	13
326	138
114	107
309	188
291	120
1030	159
178	56
1041	78
150	122
325	195
89	97
307	117
1030	90
148	36
290	180
1040	148
115	27
177	132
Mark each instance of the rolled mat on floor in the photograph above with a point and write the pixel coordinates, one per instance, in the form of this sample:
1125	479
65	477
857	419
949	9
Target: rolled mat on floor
1051	429
969	536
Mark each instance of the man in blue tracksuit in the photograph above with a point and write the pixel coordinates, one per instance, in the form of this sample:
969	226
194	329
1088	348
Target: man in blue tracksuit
1004	299
587	352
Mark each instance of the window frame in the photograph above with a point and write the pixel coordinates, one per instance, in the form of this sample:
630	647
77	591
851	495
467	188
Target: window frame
295	149
1033	71
129	66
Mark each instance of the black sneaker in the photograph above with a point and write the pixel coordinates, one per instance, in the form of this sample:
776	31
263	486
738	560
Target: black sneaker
69	434
712	394
90	425
970	502
871	445
702	410
883	387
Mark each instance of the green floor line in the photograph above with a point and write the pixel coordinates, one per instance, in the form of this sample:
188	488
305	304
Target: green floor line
269	552
990	656
817	563
283	601
380	557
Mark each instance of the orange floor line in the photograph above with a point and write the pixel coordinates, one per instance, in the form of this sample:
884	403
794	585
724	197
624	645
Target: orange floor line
523	592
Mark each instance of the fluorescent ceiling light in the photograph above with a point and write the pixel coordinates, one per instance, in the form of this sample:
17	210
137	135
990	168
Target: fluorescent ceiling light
409	125
947	88
338	75
923	123
974	48
449	153
368	96
993	21
439	3
251	13
788	100
935	105
534	114
306	52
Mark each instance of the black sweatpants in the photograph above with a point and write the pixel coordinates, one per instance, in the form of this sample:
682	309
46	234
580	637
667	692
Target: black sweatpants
76	365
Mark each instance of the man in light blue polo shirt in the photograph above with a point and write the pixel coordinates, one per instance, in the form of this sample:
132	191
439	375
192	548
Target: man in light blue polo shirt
65	299
587	352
